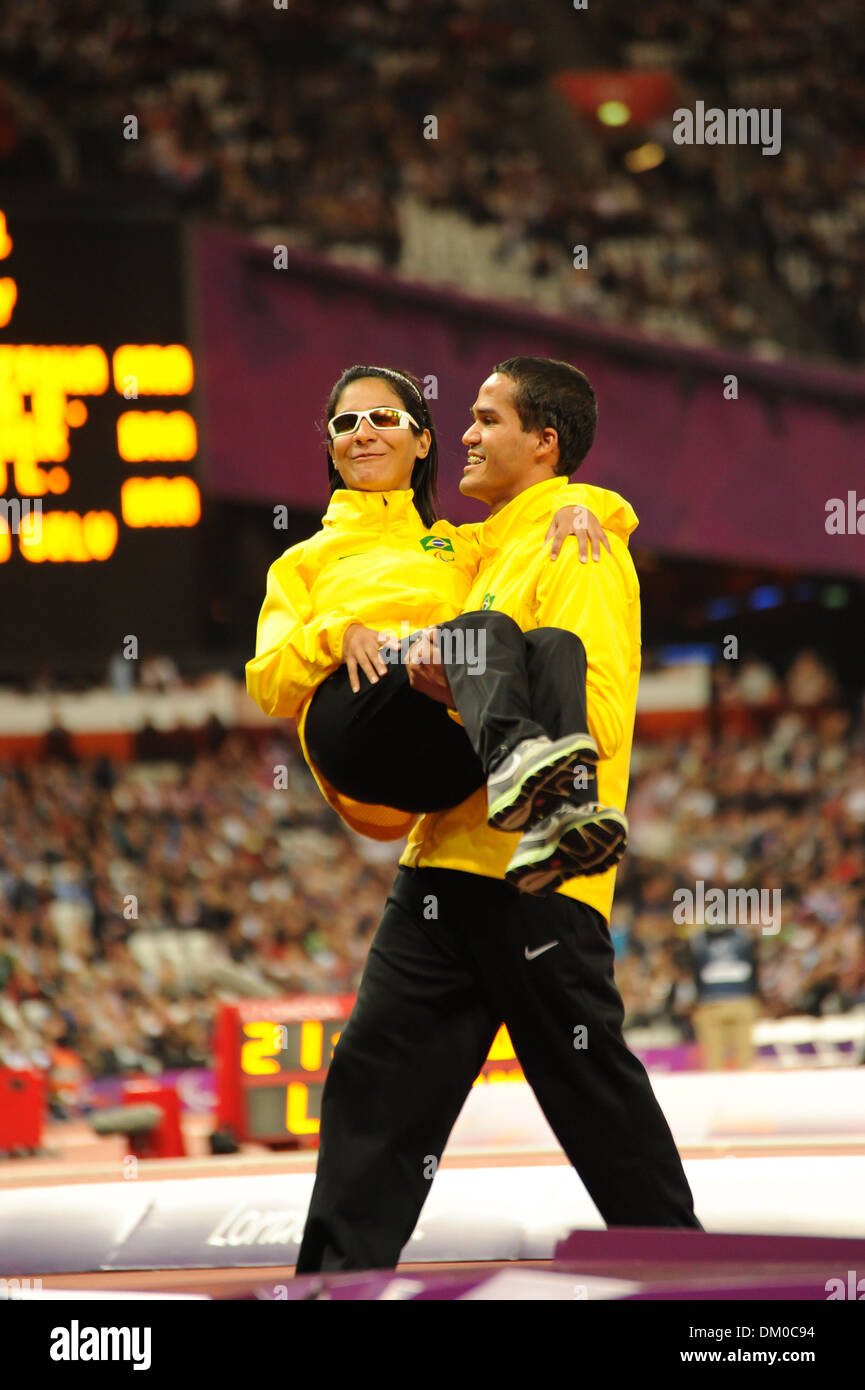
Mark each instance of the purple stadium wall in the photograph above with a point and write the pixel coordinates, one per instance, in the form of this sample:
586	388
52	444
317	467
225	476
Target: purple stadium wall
746	479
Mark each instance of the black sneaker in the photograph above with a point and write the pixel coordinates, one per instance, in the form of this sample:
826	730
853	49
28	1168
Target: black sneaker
571	842
535	777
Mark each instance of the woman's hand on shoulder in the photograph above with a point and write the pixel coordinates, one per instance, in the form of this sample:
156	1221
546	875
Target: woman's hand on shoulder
579	522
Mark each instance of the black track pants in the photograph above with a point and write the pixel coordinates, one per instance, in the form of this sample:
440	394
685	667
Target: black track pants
433	994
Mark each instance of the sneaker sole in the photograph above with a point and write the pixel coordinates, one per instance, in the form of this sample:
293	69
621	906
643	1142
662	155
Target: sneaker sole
605	838
582	852
542	788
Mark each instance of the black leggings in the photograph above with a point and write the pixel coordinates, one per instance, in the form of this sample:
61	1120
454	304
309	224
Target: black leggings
388	745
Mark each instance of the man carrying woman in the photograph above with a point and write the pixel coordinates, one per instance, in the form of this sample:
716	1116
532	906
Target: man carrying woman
381	565
459	950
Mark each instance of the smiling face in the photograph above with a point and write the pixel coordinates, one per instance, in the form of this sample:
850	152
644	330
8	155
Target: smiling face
503	459
372	460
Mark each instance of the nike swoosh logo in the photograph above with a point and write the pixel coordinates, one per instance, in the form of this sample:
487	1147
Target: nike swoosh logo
530	955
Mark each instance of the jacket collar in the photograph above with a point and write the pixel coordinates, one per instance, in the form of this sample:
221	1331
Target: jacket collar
351	506
532	504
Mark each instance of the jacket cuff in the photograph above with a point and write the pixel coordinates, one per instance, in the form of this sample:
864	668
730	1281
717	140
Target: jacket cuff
335	634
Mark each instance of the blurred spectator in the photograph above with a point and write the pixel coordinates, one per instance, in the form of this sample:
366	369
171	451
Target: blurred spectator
159	673
724	963
120	675
757	684
810	682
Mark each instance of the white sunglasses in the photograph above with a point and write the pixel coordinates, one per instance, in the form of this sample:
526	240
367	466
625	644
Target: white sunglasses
381	417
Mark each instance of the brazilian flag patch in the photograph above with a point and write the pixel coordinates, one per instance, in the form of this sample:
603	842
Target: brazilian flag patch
489	600
440	546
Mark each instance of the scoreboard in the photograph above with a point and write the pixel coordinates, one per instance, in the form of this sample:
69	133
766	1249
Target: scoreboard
100	506
272	1057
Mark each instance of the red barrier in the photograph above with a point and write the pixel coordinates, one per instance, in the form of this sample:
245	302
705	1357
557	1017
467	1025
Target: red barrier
166	1140
22	1109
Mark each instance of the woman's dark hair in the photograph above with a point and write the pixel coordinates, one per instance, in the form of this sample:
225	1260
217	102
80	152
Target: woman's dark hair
424	478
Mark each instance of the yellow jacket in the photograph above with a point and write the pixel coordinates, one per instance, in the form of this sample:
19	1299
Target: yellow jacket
373	562
601	603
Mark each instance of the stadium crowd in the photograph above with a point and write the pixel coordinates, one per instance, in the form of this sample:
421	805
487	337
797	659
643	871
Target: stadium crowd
804	209
107	870
308	123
